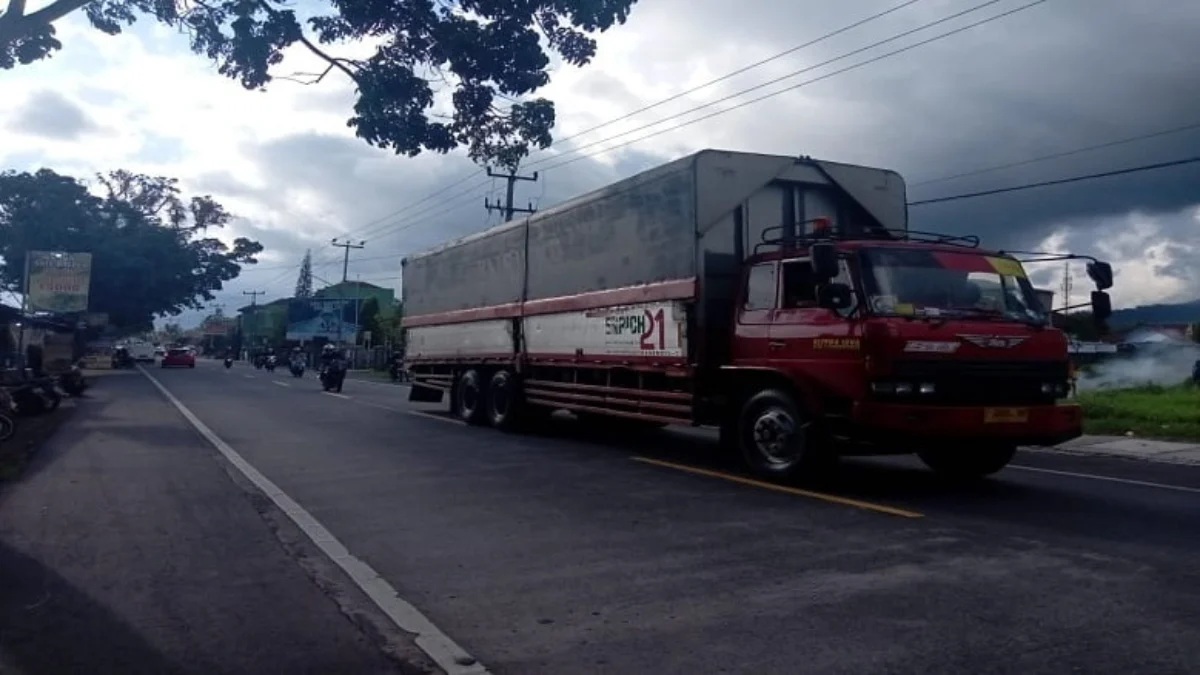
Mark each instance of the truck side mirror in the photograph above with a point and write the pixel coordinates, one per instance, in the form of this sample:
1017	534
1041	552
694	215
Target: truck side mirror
835	296
1101	306
824	262
1101	273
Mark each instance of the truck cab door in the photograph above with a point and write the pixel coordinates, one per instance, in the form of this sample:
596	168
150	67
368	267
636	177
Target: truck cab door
805	336
752	331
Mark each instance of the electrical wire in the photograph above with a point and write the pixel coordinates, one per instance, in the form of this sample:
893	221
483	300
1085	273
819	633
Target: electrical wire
1060	181
739	71
1059	155
674	97
801	71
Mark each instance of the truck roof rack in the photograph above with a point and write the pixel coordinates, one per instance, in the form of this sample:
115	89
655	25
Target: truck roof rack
775	236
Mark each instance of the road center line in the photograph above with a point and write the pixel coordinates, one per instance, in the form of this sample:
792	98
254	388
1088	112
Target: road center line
1110	479
444	651
333	393
835	499
248	377
282	384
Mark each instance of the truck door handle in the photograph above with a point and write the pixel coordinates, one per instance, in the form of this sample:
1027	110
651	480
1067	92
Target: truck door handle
776	345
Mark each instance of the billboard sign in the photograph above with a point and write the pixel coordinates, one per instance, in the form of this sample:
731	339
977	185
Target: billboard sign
216	326
59	282
312	318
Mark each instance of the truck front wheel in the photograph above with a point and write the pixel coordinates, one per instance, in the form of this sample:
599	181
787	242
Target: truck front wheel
968	463
470	398
775	438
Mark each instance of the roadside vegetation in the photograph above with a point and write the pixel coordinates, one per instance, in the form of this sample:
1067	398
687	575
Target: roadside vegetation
1150	411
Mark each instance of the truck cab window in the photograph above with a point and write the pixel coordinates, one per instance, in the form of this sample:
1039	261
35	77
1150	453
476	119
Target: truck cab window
799	285
760	287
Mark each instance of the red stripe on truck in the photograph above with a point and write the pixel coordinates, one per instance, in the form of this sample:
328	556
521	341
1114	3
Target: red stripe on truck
674	289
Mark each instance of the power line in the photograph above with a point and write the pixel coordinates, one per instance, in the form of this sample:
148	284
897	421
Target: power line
772	94
1059	155
1060	181
792	74
661	102
739	71
346	246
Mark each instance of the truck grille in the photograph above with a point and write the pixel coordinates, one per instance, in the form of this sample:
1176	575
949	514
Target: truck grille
971	383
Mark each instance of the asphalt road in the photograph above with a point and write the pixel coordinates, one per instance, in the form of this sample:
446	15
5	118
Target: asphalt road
570	553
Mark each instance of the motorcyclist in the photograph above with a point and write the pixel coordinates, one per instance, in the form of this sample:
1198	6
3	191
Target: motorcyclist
329	356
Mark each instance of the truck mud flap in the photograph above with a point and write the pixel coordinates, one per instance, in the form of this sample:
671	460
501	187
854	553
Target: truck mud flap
425	393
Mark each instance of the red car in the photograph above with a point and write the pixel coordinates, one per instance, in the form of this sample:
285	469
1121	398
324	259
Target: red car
179	358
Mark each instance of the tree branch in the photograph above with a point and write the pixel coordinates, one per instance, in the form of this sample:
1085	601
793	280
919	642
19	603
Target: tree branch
333	62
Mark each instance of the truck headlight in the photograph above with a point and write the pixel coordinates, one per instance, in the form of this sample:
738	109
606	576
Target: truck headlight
904	388
927	388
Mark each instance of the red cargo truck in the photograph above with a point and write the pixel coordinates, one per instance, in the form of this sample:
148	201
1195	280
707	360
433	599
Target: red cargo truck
781	299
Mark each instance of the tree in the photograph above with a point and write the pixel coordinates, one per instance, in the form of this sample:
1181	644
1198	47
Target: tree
368	317
489	53
304	287
150	251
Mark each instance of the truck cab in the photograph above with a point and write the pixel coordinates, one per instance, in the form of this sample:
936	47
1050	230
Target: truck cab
884	346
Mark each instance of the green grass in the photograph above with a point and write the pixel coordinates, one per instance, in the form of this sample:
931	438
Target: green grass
1168	413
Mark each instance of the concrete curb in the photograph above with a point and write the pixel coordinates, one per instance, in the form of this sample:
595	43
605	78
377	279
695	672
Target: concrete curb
1145	450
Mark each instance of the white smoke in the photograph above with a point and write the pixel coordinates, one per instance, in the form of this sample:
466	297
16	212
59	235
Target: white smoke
1165	365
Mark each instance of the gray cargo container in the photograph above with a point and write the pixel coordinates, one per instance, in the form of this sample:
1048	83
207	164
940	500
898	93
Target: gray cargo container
698	216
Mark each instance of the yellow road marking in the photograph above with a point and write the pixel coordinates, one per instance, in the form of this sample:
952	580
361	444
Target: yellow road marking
844	501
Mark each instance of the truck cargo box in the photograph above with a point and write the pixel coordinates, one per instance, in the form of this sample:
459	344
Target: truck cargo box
675	233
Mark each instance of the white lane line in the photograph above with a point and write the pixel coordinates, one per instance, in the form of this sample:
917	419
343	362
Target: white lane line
444	651
433	416
282	384
332	393
390	385
248	377
1110	479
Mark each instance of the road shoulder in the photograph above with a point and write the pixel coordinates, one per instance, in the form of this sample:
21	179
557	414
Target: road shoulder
128	550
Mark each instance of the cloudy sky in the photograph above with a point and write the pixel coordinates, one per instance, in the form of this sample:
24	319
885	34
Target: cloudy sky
1059	76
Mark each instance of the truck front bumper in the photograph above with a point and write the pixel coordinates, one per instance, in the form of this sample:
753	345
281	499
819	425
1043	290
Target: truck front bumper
1018	425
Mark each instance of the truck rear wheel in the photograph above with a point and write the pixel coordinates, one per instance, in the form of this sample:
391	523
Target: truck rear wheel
504	401
775	438
968	463
470	398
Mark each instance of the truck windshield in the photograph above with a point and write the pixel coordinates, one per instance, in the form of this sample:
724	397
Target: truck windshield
921	282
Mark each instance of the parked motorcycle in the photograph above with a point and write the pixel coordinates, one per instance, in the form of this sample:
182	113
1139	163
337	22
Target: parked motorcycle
332	376
35	398
73	382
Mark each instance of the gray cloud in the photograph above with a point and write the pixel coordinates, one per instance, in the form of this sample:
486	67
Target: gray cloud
1057	77
49	114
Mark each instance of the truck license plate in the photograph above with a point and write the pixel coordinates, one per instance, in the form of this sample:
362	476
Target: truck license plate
1005	415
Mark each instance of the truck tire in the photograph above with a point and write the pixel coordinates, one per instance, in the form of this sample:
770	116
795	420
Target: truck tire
968	463
775	438
471	398
504	401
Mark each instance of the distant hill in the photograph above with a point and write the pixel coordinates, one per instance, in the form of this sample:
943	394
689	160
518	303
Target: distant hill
1184	312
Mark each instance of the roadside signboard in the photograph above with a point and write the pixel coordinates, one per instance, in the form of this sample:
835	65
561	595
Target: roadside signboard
59	282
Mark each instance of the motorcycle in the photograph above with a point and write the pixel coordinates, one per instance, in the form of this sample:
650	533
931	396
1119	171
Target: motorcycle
73	382
332	376
228	362
297	368
35	398
397	371
122	359
270	365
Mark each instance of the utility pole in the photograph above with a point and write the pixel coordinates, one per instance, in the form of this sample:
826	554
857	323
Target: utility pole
347	245
508	207
1066	286
253	313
